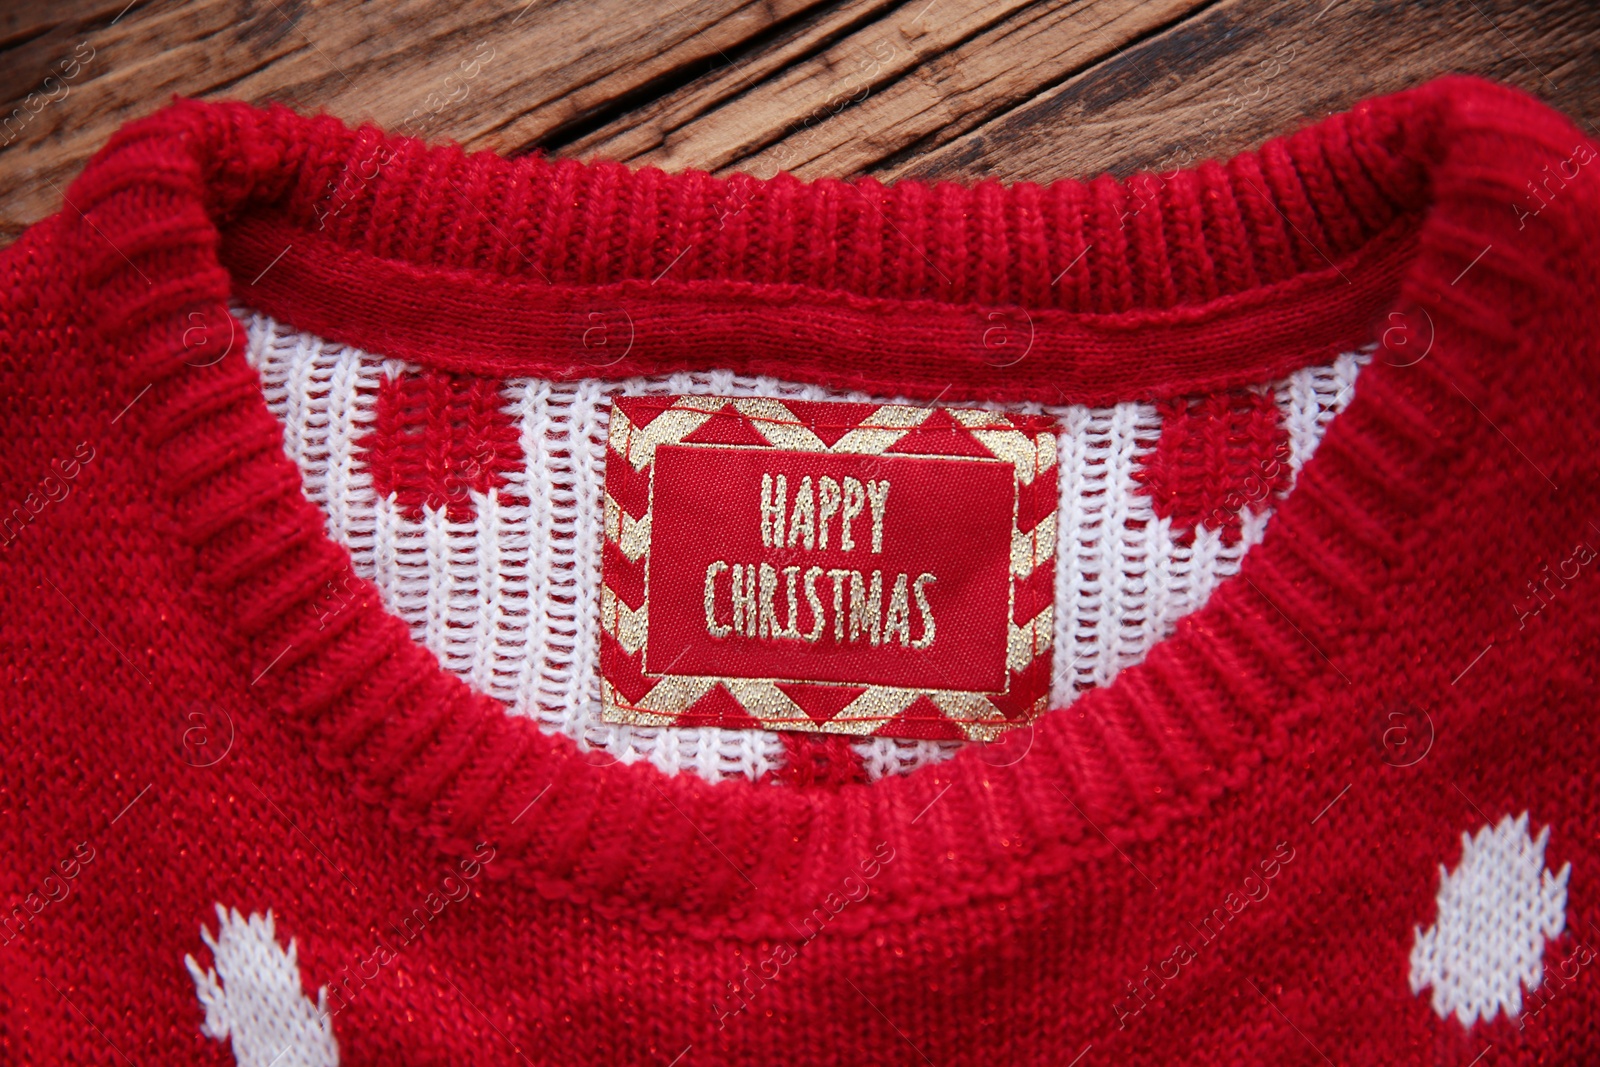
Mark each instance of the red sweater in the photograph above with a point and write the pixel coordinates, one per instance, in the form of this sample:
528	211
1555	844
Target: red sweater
1344	813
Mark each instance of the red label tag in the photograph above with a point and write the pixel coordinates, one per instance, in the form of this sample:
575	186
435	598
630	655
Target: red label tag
853	568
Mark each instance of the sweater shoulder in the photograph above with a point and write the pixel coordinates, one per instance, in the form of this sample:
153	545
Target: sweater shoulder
39	294
50	384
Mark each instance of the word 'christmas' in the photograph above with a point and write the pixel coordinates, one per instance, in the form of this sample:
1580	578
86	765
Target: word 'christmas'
743	599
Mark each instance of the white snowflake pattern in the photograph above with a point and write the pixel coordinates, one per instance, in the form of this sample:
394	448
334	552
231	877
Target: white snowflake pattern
253	995
1497	911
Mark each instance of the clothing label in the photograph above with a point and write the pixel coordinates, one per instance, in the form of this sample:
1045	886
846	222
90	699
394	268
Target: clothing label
850	568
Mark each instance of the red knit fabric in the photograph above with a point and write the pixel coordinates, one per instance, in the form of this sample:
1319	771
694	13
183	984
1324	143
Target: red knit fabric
1018	904
1216	455
438	438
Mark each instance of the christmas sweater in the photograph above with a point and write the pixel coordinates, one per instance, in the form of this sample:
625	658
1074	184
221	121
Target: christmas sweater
460	609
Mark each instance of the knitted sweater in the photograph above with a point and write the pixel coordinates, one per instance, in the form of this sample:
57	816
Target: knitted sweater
281	401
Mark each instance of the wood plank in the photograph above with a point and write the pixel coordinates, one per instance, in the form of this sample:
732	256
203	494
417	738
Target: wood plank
954	90
810	93
647	127
615	52
22	21
1246	70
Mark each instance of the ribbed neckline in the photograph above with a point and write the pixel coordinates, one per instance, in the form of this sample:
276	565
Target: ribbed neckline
1390	206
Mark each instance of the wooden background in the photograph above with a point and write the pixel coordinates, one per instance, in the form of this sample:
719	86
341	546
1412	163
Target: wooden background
935	88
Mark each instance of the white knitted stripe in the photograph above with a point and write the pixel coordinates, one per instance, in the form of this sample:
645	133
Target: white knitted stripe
509	600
